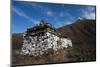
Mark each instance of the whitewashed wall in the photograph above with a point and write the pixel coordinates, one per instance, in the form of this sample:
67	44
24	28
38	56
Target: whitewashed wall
40	44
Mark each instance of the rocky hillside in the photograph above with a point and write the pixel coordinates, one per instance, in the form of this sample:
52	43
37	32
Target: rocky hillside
83	36
17	40
82	33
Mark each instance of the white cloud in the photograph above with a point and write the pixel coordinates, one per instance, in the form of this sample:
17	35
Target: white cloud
21	13
89	13
50	13
42	8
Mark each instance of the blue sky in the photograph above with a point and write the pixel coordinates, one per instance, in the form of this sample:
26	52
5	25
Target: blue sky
27	14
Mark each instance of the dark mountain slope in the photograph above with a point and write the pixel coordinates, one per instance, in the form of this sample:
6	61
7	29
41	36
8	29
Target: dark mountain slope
83	36
17	40
82	33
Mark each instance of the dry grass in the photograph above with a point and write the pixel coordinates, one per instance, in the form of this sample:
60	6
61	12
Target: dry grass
60	56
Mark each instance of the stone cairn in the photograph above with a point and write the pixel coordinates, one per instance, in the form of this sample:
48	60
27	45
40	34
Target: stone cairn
40	38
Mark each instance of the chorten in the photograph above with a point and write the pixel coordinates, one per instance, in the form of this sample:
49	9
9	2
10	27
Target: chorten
41	37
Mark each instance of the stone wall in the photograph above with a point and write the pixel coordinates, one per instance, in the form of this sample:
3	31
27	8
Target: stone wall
38	45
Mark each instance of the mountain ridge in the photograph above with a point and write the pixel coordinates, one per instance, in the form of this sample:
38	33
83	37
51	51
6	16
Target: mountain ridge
85	29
